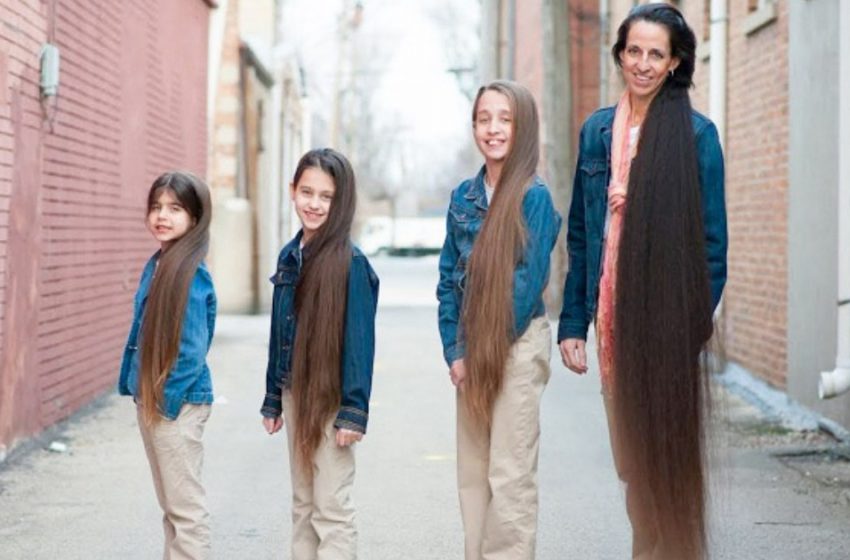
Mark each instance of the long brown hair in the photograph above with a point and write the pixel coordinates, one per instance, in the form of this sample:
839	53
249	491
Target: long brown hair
320	302
488	314
162	321
663	316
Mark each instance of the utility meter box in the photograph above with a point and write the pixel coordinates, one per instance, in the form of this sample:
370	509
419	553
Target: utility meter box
49	70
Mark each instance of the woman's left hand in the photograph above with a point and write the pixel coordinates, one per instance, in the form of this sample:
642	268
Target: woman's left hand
344	437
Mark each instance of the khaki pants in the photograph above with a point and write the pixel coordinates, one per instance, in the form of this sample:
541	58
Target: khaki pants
638	500
497	471
176	455
322	509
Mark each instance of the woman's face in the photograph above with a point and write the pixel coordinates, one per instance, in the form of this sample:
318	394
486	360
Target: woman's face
646	60
494	127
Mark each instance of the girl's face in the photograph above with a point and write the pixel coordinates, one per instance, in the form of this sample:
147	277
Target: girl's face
646	60
493	127
168	220
312	197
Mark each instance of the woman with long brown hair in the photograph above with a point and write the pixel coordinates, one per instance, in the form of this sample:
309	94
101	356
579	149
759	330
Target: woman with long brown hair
164	366
501	228
321	352
647	242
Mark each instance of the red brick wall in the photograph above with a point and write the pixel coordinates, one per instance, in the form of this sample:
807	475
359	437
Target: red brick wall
584	29
756	301
132	103
584	49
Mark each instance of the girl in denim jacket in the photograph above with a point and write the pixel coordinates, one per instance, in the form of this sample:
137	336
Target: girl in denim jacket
321	351
164	366
501	227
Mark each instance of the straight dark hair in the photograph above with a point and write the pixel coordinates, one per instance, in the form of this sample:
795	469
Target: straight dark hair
488	313
663	316
169	292
320	301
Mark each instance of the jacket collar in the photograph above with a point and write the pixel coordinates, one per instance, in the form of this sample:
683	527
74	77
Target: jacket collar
476	191
291	253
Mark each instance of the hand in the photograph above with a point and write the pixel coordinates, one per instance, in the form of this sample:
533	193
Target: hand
344	437
272	425
574	355
457	373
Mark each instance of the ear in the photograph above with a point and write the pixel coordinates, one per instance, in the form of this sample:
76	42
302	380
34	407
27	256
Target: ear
292	191
674	62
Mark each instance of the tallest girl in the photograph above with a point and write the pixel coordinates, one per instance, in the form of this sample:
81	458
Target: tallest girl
494	265
647	243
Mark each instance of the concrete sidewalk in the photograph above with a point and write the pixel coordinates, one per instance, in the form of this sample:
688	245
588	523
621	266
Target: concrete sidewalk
96	501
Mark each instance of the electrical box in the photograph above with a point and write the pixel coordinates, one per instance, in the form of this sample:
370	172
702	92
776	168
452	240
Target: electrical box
49	70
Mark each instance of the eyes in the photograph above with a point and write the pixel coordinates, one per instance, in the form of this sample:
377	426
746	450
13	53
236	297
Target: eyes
486	119
324	196
636	52
172	208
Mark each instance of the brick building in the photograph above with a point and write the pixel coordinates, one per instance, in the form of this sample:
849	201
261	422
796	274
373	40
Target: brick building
74	173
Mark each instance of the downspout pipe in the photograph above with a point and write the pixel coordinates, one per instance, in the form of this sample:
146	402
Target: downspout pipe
837	381
604	24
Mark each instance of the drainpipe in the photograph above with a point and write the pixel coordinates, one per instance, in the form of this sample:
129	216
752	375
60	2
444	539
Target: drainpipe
719	17
510	70
717	78
604	54
837	381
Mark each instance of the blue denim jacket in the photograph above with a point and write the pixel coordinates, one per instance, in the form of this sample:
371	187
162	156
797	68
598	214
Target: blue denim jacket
467	210
189	381
358	347
587	217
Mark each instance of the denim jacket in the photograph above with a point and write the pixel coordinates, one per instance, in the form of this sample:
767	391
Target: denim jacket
189	380
467	210
358	347
587	217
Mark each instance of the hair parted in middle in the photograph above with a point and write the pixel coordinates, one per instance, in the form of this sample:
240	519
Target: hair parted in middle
488	314
320	302
663	310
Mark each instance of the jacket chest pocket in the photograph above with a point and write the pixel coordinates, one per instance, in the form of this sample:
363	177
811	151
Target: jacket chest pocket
285	281
466	223
594	174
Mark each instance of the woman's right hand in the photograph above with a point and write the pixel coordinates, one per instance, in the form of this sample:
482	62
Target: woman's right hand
272	425
457	373
574	355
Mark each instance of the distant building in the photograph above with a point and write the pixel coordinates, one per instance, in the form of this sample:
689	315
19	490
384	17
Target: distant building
260	126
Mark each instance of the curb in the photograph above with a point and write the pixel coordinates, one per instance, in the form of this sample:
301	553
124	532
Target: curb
776	404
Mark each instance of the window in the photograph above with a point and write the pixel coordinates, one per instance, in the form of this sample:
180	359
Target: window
761	13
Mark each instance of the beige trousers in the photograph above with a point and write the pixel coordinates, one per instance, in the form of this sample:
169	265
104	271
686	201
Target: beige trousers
176	456
322	508
497	471
638	500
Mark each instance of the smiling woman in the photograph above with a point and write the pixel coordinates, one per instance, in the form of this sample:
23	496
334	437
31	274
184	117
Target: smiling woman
648	268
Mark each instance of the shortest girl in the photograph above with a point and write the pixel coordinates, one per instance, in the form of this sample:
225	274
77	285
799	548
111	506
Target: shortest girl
164	366
321	351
